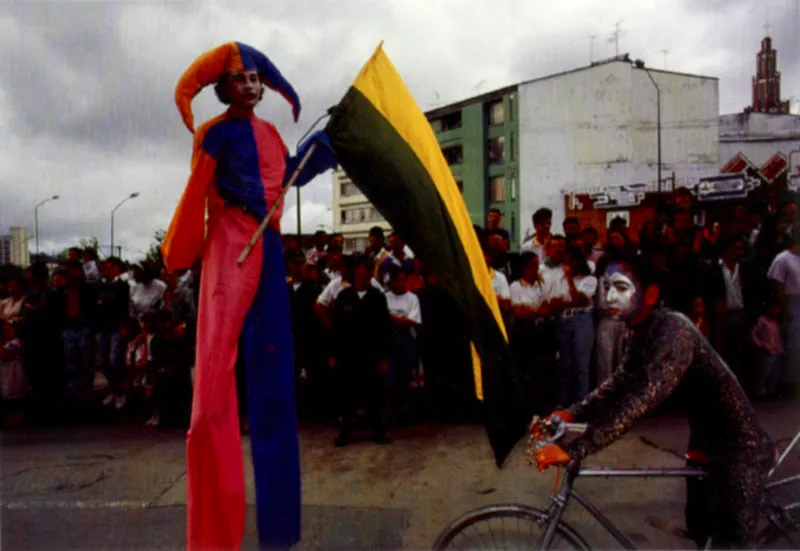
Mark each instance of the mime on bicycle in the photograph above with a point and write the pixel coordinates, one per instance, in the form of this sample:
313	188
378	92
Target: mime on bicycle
665	353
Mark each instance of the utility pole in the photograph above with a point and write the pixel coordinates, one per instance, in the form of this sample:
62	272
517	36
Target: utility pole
591	48
615	36
36	220
133	195
299	221
665	52
640	64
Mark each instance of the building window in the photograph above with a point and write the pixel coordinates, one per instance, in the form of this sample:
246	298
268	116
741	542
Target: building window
451	121
497	189
348	189
511	154
497	113
497	150
453	155
343	216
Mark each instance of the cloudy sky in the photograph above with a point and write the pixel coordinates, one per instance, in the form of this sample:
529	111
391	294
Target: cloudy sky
86	87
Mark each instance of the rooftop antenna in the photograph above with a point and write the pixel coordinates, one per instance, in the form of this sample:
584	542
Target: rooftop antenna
478	86
615	36
591	47
437	102
665	52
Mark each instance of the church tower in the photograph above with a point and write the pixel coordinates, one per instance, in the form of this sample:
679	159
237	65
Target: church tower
767	81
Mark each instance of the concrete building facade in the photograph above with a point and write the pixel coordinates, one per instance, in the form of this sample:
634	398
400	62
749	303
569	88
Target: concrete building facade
14	248
593	129
353	214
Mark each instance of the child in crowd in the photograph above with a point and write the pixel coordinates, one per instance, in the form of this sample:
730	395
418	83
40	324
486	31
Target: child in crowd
766	337
138	360
14	383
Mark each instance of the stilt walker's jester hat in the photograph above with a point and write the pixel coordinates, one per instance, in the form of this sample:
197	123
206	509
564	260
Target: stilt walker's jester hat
229	58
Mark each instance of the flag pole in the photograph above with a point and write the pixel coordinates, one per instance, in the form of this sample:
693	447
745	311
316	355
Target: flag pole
278	202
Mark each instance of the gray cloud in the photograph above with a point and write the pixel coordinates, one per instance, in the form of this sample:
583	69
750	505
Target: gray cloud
86	96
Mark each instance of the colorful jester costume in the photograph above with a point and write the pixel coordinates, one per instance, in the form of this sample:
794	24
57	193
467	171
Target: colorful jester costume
239	166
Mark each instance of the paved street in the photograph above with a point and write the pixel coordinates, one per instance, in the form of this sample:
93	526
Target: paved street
124	488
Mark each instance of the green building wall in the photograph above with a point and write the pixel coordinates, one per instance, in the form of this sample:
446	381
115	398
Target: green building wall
475	172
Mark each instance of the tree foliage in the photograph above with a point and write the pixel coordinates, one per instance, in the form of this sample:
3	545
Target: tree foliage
83	244
154	251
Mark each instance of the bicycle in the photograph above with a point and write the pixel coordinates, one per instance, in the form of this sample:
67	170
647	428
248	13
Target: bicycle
783	521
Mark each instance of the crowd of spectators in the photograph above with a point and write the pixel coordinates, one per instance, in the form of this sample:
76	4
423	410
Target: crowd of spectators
379	343
91	332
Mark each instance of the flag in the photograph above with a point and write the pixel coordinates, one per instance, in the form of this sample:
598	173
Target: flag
388	148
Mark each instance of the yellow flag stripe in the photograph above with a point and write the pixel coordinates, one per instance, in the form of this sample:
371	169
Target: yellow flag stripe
383	87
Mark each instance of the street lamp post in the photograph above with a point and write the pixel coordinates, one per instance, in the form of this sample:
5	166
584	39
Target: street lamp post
299	222
36	219
640	65
133	195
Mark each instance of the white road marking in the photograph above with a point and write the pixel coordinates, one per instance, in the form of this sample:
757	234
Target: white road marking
74	504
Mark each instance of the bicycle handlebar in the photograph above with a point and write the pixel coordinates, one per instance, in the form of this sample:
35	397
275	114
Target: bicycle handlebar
551	430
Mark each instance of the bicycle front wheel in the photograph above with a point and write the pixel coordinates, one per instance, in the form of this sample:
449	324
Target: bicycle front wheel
784	536
506	527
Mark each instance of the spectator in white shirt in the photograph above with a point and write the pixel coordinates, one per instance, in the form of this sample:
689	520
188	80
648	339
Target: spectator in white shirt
398	256
532	337
11	306
785	276
334	263
730	324
404	358
542	222
330	292
499	285
317	253
91	267
147	294
376	246
572	296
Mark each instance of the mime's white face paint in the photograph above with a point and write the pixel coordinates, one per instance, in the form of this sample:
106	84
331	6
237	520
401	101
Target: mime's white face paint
621	296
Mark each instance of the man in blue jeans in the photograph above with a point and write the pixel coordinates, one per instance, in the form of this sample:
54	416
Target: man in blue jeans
569	288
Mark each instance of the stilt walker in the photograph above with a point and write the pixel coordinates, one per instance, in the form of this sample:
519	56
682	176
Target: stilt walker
239	167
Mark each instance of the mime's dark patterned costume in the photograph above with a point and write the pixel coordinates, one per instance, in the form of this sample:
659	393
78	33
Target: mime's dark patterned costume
666	353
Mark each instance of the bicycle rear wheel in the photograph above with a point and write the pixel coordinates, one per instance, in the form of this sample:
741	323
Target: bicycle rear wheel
506	527
785	537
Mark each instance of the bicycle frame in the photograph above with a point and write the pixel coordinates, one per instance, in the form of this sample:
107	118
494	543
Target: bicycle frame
560	500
